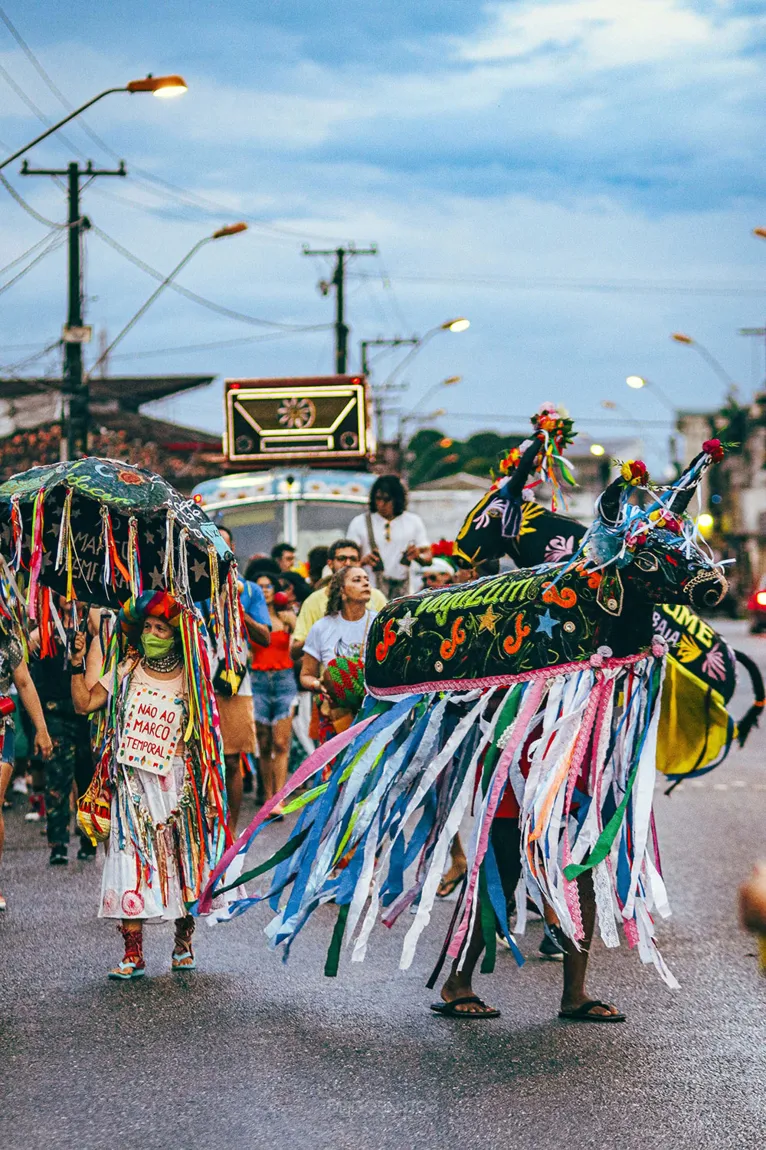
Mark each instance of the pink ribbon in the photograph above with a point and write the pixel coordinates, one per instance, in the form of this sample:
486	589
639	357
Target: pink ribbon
316	760
519	731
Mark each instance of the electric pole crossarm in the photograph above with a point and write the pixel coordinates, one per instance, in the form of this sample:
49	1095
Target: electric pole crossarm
76	387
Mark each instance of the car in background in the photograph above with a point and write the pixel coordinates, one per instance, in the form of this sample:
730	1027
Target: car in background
756	608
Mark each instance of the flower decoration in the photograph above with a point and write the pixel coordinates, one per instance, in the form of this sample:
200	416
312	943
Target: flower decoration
634	472
666	520
510	462
637	536
659	647
129	477
444	549
599	657
714	448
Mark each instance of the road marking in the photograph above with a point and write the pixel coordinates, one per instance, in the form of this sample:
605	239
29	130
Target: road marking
720	786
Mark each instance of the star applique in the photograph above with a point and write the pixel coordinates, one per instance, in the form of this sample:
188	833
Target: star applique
156	578
148	536
200	570
546	623
406	623
489	620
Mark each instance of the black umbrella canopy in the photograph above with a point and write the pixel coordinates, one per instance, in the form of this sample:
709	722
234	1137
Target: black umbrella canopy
94	527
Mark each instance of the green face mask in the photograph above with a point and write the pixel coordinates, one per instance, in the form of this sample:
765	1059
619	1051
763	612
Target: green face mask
155	648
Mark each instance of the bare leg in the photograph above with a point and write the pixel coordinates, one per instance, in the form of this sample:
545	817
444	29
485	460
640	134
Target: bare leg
233	789
457	868
576	961
281	734
265	762
505	840
6	770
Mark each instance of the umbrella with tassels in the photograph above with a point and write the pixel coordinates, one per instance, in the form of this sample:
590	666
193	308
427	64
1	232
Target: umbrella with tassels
99	530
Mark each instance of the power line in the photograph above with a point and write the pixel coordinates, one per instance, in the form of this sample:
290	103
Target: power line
29	209
28	252
210	304
35	110
56	242
13	367
213	344
526	283
180	194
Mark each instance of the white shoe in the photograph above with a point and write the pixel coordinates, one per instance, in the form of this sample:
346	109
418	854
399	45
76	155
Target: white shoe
19	785
32	817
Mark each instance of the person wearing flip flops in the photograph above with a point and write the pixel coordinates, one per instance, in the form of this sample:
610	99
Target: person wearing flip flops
161	831
457	994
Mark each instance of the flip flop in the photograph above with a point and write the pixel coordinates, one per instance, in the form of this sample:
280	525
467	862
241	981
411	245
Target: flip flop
448	885
126	970
583	1013
448	1009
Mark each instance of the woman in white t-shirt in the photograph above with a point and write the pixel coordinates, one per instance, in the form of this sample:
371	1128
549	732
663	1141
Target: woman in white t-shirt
340	634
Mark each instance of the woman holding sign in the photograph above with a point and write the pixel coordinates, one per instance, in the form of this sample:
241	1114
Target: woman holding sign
164	830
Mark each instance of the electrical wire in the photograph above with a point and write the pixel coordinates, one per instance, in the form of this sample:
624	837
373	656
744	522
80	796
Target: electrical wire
171	190
210	304
526	283
55	243
208	346
28	252
13	367
30	210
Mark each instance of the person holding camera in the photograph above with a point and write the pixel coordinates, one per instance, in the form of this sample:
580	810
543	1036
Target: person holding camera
390	537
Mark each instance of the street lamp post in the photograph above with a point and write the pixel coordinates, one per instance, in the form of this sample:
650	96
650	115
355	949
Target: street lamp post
638	382
77	436
228	230
709	358
163	86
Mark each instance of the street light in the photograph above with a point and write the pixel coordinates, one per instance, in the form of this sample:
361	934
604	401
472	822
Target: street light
162	86
220	233
455	325
638	381
709	358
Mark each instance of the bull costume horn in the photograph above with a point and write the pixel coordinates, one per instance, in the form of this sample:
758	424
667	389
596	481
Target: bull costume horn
688	481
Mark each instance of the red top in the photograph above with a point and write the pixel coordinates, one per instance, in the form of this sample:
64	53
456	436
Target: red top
275	657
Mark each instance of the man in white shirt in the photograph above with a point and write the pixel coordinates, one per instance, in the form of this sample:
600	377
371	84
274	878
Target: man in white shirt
390	538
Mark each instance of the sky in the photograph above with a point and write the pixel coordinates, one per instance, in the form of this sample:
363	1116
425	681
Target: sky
580	178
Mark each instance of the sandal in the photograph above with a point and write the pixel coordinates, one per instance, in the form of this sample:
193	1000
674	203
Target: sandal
449	1009
448	885
183	960
584	1013
128	969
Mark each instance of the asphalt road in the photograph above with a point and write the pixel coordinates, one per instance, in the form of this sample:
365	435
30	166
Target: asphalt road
247	1052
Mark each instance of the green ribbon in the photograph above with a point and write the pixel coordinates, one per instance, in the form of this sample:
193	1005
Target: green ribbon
284	852
333	954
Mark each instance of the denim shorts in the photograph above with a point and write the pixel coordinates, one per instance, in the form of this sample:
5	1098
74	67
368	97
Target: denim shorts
274	693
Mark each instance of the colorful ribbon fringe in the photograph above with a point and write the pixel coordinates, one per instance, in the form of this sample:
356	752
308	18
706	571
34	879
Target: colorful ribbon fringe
577	749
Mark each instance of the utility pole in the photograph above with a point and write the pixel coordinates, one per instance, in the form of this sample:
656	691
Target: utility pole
76	389
338	281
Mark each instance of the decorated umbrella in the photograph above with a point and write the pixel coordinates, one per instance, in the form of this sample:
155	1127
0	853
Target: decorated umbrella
100	530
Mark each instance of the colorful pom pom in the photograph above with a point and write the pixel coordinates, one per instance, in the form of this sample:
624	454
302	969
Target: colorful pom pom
634	472
714	448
